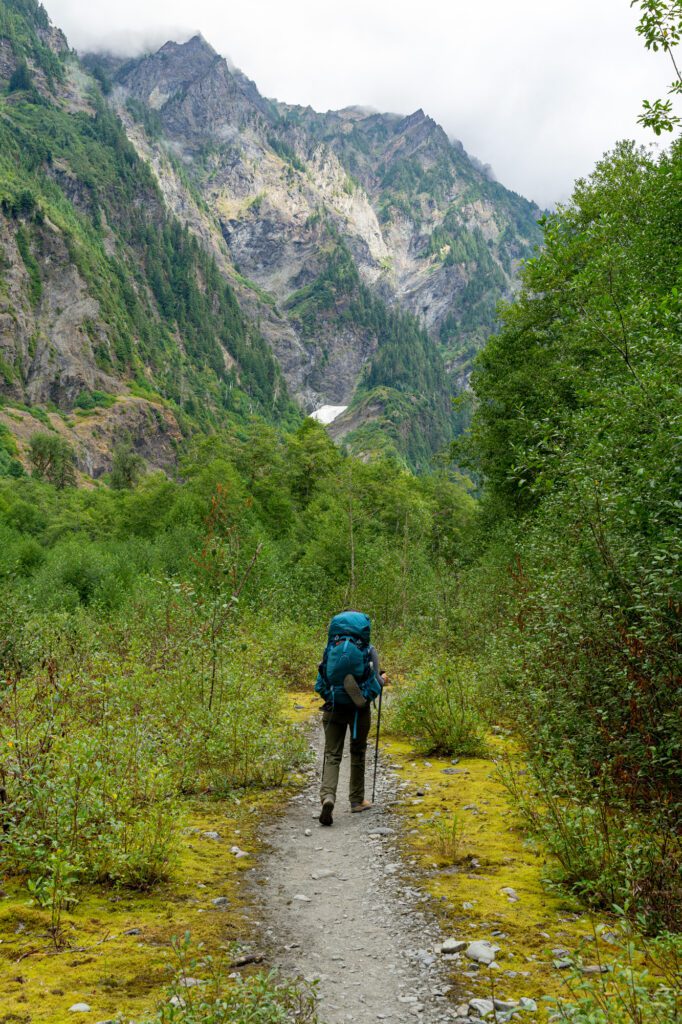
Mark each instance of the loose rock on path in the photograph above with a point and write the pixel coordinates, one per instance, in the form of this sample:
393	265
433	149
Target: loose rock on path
339	907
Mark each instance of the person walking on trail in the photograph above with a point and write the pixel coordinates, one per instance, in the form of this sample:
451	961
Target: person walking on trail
348	680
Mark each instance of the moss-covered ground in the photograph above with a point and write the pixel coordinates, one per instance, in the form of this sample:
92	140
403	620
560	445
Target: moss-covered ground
467	882
117	955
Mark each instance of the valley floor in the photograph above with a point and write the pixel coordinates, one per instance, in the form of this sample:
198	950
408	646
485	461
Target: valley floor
363	906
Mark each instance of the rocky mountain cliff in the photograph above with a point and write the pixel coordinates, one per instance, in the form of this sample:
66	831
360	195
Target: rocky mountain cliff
427	228
178	251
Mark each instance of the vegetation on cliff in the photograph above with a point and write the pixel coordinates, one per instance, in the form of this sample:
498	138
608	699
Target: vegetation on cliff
166	319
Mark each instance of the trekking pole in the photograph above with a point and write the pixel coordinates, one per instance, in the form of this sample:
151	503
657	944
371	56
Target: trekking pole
376	746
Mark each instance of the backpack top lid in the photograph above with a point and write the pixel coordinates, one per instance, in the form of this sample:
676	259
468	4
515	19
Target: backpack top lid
355	624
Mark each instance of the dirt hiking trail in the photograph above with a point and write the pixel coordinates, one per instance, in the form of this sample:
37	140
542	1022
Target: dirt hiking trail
337	908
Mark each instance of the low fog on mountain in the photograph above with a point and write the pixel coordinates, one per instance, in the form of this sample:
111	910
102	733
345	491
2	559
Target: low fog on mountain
538	91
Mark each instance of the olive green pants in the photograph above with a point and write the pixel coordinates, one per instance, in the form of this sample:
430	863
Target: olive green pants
335	723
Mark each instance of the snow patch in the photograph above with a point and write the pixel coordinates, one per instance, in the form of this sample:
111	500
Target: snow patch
326	414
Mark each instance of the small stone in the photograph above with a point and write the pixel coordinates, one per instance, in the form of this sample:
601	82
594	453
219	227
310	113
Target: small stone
221	902
237	852
190	982
594	969
382	831
454	946
503	1006
79	1008
211	835
483	1007
308	832
301	898
560	951
467	906
528	1004
420	792
511	893
563	964
178	1002
482	951
133	931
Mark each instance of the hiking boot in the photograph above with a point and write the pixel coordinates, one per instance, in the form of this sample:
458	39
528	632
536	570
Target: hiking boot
358	808
327	812
350	685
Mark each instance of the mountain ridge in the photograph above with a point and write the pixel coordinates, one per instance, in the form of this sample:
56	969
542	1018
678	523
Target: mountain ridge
350	245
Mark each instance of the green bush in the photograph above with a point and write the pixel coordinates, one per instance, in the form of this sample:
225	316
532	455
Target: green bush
604	852
629	992
76	572
53	459
439	712
262	998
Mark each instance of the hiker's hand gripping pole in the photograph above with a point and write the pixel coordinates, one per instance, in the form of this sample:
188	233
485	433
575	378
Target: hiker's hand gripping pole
376	745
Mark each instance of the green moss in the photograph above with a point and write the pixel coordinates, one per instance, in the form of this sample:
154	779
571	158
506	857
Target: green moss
469	898
118	973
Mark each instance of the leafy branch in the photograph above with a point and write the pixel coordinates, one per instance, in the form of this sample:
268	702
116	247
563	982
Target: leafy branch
660	26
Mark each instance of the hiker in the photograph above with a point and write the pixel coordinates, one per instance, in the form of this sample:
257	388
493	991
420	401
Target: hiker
348	681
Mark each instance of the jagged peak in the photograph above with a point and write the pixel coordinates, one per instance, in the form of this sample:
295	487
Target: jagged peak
196	43
417	118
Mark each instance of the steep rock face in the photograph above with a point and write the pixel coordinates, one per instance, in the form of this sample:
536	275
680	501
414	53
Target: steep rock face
164	230
107	300
427	229
149	428
47	345
271	206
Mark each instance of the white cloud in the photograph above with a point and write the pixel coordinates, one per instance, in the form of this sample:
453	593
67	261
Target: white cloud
537	89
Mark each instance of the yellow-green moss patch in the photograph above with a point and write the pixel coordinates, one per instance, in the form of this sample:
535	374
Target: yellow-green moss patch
492	854
115	972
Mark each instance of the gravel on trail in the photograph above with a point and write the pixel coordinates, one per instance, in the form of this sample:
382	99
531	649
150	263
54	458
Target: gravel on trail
340	906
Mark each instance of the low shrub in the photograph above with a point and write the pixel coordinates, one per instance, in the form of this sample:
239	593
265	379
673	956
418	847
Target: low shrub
605	852
632	991
261	998
439	713
83	776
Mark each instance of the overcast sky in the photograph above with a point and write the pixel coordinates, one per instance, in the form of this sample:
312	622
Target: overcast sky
539	89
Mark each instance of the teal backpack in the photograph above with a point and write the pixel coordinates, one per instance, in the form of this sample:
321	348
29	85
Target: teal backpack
347	653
